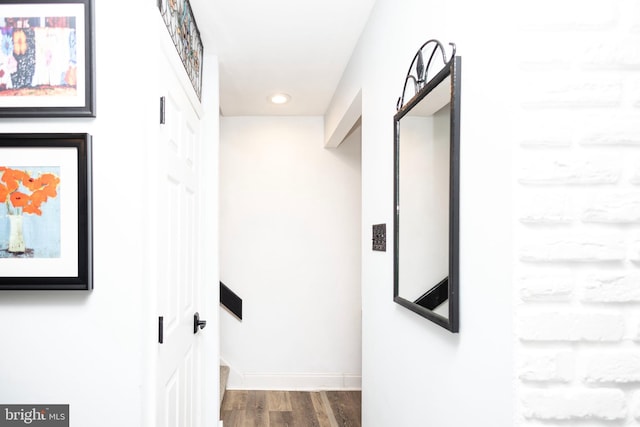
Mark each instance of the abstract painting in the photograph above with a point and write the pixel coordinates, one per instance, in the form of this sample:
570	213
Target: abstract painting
182	27
46	59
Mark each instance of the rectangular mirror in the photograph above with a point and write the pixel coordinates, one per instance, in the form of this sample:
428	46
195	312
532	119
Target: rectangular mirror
426	162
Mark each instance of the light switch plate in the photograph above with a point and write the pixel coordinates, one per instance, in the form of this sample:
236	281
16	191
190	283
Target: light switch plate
380	237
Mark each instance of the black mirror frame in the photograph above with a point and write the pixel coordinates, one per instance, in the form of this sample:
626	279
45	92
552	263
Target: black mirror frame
452	69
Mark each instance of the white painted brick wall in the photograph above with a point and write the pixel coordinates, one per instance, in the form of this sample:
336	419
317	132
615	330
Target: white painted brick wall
587	247
547	286
547	207
571	326
574	404
577	221
613	53
547	366
634	250
622	287
552	92
635	180
617	207
607	130
579	15
562	169
613	367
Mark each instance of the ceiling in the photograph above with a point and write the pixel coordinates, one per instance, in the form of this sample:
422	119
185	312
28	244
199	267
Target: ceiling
299	47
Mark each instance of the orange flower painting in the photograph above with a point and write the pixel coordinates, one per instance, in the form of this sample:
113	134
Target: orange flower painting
25	192
42	188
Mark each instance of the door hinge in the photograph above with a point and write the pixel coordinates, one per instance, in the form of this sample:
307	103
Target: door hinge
162	110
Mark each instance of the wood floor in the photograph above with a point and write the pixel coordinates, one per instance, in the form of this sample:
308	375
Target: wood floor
291	409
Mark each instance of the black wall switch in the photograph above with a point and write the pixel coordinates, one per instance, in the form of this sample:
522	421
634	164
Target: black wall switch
380	237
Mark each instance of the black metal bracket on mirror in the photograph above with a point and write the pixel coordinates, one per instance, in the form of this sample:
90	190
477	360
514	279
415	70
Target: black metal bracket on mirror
427	186
422	71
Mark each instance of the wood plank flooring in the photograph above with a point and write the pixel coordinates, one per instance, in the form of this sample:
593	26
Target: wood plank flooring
257	408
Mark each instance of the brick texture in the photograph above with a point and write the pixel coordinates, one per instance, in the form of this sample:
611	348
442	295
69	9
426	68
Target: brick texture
577	275
635	179
572	93
613	367
575	15
554	286
575	404
558	170
588	326
555	247
547	208
635	17
622	287
614	53
548	366
622	129
618	207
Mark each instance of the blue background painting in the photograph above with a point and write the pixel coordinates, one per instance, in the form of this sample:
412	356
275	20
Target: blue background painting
41	233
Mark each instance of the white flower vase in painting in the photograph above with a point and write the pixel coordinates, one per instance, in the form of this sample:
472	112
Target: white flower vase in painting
16	236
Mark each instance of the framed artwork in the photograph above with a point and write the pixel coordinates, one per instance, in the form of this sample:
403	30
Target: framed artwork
182	27
45	212
46	58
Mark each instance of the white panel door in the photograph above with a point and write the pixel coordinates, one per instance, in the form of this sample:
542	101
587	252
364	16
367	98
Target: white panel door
179	366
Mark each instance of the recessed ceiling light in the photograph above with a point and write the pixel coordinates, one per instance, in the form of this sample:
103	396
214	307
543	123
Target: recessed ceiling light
279	98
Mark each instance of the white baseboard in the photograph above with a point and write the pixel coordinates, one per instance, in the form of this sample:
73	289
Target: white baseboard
286	381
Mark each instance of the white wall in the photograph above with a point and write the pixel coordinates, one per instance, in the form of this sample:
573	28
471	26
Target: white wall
578	219
549	89
290	247
92	349
415	373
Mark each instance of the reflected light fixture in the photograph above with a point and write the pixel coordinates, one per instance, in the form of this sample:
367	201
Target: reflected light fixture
279	98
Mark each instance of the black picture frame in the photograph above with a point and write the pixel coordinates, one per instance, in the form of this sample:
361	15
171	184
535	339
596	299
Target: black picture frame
63	257
65	85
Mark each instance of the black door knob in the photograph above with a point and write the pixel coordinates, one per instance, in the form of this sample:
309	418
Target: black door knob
197	323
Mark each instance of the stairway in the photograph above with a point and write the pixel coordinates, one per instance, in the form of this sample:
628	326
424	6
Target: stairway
233	303
224	376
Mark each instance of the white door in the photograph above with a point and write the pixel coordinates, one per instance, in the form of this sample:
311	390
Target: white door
179	363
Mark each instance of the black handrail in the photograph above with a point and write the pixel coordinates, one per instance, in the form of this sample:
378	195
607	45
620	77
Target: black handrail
230	301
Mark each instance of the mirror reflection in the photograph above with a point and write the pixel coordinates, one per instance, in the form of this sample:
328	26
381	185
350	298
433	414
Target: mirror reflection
423	234
427	134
